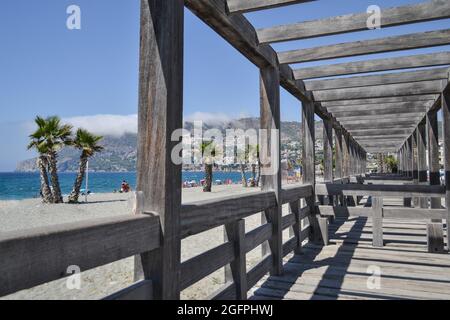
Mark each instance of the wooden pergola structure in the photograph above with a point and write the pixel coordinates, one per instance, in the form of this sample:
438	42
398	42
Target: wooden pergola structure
375	113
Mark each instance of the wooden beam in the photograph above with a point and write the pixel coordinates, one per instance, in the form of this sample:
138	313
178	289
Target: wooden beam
445	101
382	137
397	63
308	164
270	159
398	125
381	106
381	117
433	154
366	47
339	157
241	6
379	79
377	132
425	98
422	158
354	113
427	11
327	150
390	90
160	114
40	255
390	120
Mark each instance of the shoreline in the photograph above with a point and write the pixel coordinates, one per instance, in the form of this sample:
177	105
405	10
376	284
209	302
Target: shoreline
16	186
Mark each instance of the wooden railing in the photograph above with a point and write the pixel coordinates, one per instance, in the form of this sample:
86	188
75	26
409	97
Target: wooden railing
377	212
36	256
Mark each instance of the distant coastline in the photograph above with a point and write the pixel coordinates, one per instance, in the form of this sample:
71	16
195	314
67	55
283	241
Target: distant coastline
25	185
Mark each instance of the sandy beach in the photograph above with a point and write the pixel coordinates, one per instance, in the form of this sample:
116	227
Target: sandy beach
102	281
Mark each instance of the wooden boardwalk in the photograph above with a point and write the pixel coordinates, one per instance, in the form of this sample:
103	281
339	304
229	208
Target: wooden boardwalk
343	269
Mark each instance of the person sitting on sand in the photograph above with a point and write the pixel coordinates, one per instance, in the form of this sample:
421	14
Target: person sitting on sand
125	187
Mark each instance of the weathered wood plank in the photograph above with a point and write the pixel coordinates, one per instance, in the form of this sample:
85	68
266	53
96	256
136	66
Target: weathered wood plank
426	11
435	231
389	90
376	132
375	125
397	63
422	159
373	112
257	236
142	290
200	216
435	238
292	193
327	150
236	234
197	268
413	213
390	78
365	47
270	157
382	117
160	114
333	211
338	172
36	256
383	190
381	106
424	98
242	6
445	105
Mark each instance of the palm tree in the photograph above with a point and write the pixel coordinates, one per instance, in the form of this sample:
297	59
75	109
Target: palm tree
52	136
88	144
38	143
208	154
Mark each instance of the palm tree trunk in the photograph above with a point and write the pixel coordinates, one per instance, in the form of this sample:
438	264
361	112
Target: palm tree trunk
244	180
254	175
208	178
46	193
75	194
53	162
259	173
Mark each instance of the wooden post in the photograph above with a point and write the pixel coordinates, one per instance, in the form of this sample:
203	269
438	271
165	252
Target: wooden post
309	176
377	221
270	158
345	154
407	202
160	113
433	155
338	173
236	233
338	142
328	156
445	100
422	159
328	150
297	227
415	167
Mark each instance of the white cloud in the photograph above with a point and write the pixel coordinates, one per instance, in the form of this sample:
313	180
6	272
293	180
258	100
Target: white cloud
105	124
213	118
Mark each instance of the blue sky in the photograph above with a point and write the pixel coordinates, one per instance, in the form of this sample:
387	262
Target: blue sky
47	69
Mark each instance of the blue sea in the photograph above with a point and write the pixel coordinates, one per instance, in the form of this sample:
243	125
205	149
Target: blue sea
17	186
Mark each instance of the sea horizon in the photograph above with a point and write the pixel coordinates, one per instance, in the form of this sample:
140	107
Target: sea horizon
26	185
